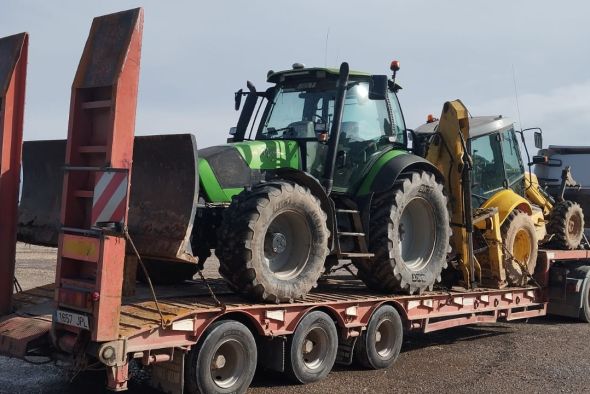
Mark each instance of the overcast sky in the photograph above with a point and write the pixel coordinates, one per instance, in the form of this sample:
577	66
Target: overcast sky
197	53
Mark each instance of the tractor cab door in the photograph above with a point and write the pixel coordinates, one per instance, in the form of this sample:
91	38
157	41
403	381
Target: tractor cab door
366	130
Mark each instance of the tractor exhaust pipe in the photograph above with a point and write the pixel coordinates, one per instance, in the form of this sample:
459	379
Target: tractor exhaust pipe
335	131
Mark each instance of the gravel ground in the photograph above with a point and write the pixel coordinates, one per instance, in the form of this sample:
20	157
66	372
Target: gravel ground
541	355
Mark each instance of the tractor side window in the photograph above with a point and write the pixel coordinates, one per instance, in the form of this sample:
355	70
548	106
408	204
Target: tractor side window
399	126
512	159
488	169
363	119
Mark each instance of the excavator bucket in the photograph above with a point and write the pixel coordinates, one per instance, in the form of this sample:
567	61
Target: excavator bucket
163	199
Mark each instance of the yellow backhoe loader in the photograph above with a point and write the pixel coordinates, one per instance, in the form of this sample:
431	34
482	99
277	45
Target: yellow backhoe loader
499	214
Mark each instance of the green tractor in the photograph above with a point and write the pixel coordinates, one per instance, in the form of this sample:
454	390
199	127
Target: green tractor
322	176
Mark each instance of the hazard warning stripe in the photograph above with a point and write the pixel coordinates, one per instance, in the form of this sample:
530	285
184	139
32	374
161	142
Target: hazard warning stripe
110	197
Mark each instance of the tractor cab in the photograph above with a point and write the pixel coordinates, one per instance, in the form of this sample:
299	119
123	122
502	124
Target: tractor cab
300	107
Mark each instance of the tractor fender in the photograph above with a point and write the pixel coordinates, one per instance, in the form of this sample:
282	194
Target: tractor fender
313	184
507	201
382	176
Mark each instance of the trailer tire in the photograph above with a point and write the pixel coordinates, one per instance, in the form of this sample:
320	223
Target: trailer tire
224	360
520	239
409	234
566	224
312	349
273	242
585	310
379	346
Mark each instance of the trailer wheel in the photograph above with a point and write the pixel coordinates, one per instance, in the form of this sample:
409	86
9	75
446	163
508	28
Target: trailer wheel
224	361
312	348
520	239
566	224
409	235
381	343
585	311
273	242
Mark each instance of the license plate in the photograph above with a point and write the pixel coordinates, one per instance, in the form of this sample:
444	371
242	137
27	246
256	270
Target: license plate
72	319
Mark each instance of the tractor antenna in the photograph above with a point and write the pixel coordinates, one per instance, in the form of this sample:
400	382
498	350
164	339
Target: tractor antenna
516	97
326	49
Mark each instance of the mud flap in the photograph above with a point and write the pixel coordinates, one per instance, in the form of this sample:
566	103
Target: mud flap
163	199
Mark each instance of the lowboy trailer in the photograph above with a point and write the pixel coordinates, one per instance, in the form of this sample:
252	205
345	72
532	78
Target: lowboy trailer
208	339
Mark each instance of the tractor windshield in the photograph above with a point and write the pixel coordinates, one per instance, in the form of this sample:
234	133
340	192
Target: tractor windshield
306	109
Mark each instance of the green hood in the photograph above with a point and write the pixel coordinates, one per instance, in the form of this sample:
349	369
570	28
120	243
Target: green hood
226	170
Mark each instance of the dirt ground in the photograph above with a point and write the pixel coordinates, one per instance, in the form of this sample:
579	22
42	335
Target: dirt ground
541	355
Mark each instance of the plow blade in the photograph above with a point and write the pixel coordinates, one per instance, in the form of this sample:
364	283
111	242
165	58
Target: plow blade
162	204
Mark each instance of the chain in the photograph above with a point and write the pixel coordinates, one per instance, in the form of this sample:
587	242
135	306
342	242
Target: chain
522	265
17	287
342	267
211	293
163	322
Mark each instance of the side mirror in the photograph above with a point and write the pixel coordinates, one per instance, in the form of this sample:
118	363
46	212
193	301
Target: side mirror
378	87
540	160
238	98
538	140
233	130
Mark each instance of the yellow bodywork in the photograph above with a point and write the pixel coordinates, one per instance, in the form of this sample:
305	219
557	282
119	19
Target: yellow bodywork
507	201
445	152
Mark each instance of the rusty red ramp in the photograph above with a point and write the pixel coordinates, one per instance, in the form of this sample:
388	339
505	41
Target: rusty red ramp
13	74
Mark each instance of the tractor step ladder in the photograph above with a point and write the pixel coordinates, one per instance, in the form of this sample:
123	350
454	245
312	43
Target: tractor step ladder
13	75
361	250
97	171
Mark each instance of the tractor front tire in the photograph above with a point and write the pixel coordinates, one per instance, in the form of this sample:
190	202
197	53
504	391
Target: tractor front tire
273	242
566	225
520	240
409	234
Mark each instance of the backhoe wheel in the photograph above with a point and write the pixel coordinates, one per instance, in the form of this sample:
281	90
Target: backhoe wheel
409	234
273	242
566	225
312	349
224	360
381	343
520	239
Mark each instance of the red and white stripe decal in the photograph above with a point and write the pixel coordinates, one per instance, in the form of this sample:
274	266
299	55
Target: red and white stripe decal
110	197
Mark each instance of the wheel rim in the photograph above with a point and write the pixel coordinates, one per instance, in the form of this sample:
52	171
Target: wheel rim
314	348
228	363
287	244
385	338
574	226
417	233
522	246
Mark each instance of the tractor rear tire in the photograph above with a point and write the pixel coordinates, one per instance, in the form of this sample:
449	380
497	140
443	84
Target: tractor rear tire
409	234
566	225
520	239
273	242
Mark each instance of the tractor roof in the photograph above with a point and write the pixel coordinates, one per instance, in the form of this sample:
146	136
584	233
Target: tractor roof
478	125
279	76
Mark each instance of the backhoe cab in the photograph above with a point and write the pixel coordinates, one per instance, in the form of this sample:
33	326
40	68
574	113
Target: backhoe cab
511	214
322	176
